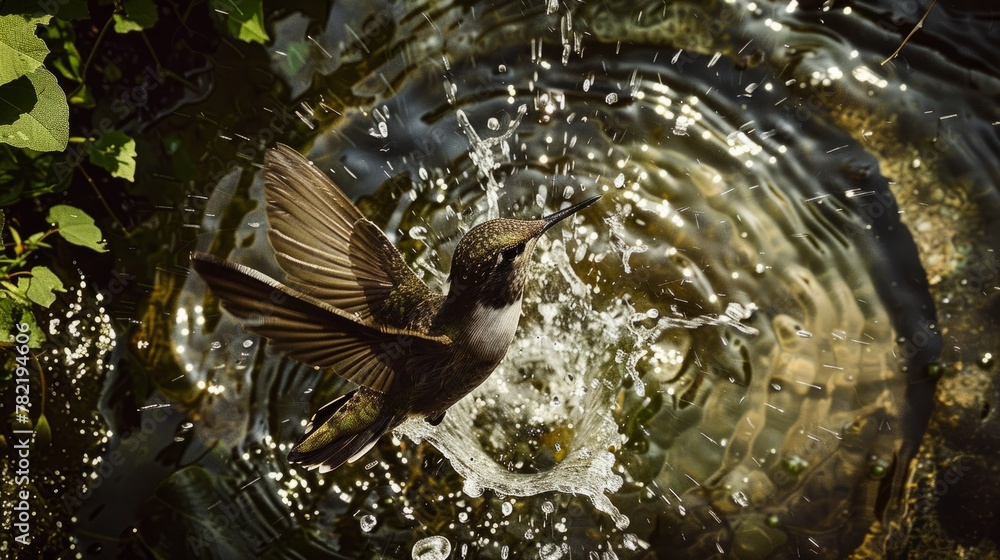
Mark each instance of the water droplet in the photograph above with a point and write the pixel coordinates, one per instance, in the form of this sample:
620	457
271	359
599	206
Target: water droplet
431	548
741	499
493	124
550	552
247	343
630	541
804	334
418	233
507	508
216	345
547	507
368	523
620	181
611	99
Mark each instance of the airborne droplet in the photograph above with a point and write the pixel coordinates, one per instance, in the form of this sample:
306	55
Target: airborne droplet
431	548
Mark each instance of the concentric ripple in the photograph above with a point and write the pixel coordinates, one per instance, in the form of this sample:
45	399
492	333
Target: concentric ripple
709	361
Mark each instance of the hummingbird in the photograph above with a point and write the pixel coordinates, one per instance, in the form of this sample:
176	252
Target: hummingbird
350	303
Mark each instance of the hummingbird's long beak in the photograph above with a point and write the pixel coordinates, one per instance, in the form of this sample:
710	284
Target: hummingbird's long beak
556	217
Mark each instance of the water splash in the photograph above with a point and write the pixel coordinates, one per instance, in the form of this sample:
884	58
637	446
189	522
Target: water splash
485	157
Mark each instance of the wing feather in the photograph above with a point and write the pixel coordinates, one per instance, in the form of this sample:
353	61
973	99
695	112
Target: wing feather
327	248
316	333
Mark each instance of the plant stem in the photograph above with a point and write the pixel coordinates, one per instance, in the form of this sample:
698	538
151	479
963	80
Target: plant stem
93	51
104	202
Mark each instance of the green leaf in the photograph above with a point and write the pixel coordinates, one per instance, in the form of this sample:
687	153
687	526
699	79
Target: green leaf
244	19
115	151
18	249
8	308
21	53
76	227
34	113
41	286
65	57
13	312
139	15
43	432
83	98
26	174
36	336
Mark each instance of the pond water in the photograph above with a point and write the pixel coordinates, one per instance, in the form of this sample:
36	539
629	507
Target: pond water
770	338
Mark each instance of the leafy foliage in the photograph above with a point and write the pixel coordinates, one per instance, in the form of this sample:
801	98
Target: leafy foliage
20	288
34	113
76	227
137	15
115	151
244	19
40	286
20	50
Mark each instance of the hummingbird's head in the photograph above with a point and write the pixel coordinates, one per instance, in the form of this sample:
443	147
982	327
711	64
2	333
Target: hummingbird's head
491	260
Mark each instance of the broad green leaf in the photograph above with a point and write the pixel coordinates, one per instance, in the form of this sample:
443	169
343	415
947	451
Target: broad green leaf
42	114
139	15
76	227
21	53
41	286
244	19
115	151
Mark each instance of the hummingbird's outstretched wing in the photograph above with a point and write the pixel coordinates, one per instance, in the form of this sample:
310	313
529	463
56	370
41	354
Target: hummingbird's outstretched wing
328	249
315	333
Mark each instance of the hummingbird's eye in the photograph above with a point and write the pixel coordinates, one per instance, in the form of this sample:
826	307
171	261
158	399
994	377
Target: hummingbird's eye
511	253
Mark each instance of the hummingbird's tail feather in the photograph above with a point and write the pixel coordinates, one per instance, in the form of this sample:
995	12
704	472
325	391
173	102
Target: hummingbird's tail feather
343	430
374	355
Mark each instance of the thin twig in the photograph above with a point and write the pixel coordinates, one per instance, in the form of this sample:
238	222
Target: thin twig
104	202
93	51
912	31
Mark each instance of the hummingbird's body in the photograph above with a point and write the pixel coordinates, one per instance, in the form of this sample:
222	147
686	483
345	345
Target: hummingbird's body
349	302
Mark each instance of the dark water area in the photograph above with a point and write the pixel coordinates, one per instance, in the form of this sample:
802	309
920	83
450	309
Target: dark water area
775	335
